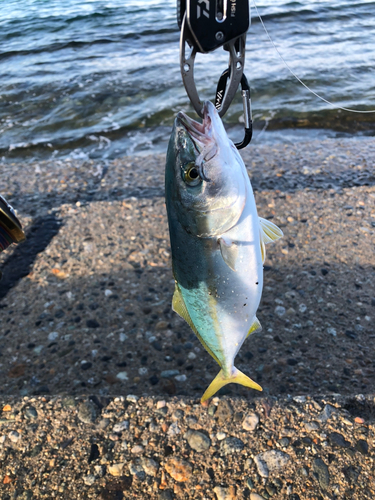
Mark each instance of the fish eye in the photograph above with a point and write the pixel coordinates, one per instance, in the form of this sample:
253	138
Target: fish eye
191	175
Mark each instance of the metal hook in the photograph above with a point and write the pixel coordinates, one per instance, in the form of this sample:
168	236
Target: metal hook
246	100
236	50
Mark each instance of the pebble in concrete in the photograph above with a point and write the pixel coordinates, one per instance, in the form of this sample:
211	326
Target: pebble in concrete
255	496
197	440
31	413
87	413
173	429
261	466
150	466
121	426
132	398
115	469
223	493
166	495
137	449
326	413
89	480
180	470
224	412
99	470
136	470
250	422
14	436
321	473
311	426
231	445
270	461
280	311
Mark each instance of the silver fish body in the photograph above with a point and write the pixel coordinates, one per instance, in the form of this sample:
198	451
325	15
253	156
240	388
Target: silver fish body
217	240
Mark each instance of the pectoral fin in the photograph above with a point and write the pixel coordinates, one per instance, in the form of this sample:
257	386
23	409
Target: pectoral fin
178	306
229	252
236	377
268	232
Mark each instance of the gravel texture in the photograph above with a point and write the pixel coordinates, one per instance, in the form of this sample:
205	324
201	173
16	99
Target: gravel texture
85	308
112	448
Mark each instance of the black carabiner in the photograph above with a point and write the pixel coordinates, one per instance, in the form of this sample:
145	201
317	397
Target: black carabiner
246	99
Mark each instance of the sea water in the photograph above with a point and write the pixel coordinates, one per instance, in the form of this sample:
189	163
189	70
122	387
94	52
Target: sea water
101	78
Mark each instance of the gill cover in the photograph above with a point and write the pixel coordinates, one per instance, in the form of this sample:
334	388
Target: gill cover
205	185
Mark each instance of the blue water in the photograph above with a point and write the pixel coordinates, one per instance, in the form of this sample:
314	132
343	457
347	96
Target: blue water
101	78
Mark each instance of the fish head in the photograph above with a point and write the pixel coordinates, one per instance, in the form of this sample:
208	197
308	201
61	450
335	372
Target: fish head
205	175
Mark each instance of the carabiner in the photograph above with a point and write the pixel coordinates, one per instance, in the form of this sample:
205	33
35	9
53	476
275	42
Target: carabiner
246	101
236	50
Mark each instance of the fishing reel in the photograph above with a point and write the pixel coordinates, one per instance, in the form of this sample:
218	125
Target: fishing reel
10	227
207	25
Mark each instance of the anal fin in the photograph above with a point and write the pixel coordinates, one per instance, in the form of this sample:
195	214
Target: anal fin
255	327
178	306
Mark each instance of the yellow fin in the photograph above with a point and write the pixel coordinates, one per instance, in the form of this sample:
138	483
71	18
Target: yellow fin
269	231
220	381
256	326
262	249
178	306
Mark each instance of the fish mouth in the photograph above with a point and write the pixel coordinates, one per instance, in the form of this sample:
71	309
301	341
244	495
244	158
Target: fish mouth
201	133
202	136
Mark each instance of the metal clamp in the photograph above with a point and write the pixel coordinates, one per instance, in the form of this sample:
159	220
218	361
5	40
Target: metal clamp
236	50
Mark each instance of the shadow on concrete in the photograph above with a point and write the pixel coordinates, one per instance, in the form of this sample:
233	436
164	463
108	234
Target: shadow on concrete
21	260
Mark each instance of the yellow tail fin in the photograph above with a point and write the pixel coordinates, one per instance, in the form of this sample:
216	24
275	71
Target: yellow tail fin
236	377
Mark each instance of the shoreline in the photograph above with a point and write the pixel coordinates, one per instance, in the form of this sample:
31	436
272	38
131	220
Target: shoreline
316	162
106	149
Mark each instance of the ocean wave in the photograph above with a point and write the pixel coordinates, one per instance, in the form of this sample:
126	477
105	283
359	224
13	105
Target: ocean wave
70	72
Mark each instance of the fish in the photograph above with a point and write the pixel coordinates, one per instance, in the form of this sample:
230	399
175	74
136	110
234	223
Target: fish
217	241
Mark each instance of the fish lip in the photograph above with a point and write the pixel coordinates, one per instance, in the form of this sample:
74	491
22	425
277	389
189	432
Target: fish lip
200	133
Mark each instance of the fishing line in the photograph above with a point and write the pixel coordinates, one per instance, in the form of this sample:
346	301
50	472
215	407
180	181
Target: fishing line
300	81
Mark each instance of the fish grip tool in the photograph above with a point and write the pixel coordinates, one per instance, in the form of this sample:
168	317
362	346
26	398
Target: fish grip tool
205	26
10	227
213	23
